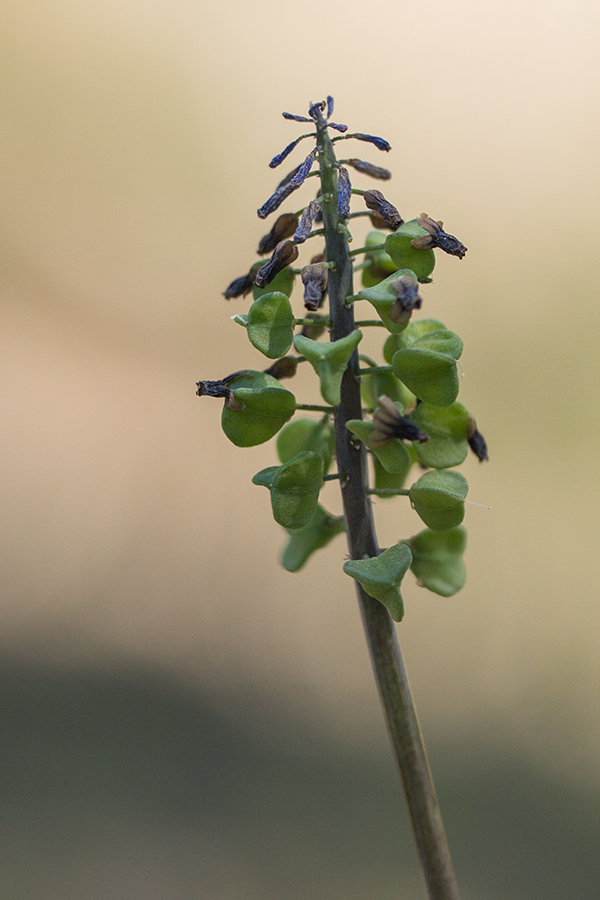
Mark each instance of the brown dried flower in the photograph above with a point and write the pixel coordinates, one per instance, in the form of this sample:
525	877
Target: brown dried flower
283	228
390	424
437	237
284	253
377	202
314	279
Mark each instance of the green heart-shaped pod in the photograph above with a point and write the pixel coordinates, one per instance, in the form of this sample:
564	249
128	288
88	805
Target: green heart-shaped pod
437	560
382	297
394	456
438	498
270	324
294	488
329	360
304	541
447	429
378	265
398	245
266	407
381	576
415	329
283	282
307	434
428	367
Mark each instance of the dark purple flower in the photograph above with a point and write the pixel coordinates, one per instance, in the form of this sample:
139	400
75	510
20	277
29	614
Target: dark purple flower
344	193
277	160
284	191
380	143
337	126
284	253
283	368
329	106
240	286
377	202
477	441
390	424
283	228
408	298
306	222
315	108
287	115
437	237
314	279
368	168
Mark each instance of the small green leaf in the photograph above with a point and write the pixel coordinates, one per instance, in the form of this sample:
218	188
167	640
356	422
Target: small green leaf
394	457
270	324
267	407
381	576
447	429
283	282
307	434
404	255
329	360
428	367
304	541
437	560
438	498
382	297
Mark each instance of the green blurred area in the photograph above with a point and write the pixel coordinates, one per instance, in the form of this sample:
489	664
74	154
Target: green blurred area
184	718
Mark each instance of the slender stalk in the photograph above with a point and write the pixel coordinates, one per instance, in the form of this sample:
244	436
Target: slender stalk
380	632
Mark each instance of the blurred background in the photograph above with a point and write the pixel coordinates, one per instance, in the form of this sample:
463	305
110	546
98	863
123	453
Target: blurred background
181	717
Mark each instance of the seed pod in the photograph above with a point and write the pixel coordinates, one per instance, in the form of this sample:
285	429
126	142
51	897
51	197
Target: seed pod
407	292
437	237
476	441
344	193
284	253
314	279
377	202
283	368
368	168
283	228
390	424
306	222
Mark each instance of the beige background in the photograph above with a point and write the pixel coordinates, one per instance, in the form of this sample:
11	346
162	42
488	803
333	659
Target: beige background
135	144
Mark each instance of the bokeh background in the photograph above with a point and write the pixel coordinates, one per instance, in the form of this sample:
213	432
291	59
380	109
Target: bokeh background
182	718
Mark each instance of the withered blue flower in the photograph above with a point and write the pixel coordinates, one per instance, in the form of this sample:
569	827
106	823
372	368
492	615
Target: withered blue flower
477	442
285	189
406	290
337	126
287	115
315	108
367	168
239	287
380	143
390	424
283	228
314	279
344	193
277	160
329	106
437	237
306	221
284	253
388	212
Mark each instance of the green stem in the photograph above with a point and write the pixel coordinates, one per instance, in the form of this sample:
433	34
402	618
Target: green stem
311	407
381	636
367	249
370	369
389	492
370	323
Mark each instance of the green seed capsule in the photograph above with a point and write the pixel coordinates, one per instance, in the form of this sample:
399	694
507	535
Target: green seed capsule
438	498
270	324
329	360
437	560
399	247
307	434
382	575
447	429
266	407
428	367
304	541
294	488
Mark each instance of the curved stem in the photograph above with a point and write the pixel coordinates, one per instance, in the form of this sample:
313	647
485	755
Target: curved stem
387	662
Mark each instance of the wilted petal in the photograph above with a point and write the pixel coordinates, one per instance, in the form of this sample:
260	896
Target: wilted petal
284	253
368	168
329	106
240	286
380	143
277	160
315	108
308	217
477	442
287	115
314	279
388	212
283	228
344	193
342	128
390	424
408	298
437	238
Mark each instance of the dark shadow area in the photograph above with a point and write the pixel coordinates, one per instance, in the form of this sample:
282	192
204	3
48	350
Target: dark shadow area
125	784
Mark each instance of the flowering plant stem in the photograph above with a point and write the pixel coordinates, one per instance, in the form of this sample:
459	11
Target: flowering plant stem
380	632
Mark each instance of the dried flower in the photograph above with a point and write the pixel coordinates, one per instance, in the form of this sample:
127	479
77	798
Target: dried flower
315	108
240	286
377	202
344	193
277	160
308	216
283	368
285	189
314	279
284	253
283	228
329	106
437	237
342	128
390	424
408	298
380	143
290	175
477	441
287	115
221	389
368	168
379	223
